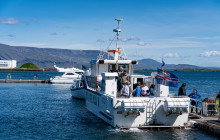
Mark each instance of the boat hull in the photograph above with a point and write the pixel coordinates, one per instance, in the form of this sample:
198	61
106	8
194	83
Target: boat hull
146	114
78	93
62	81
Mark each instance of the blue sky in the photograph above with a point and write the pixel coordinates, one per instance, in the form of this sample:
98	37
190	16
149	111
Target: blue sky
179	31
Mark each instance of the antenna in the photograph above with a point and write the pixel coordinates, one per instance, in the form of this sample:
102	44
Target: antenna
117	31
117	51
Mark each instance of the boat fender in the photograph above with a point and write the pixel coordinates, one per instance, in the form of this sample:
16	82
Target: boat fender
97	83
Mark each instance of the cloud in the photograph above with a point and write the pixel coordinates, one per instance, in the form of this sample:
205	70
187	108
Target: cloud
100	40
141	43
210	53
202	38
124	39
176	55
9	21
11	35
130	38
133	38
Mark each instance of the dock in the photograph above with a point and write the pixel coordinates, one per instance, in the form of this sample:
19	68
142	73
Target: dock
23	81
209	124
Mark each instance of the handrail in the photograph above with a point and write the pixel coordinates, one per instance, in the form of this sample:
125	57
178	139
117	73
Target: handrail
196	100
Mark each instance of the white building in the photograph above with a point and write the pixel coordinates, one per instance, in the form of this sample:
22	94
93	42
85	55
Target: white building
7	64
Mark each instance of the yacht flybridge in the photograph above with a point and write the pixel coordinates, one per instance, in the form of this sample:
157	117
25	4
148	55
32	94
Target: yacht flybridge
99	88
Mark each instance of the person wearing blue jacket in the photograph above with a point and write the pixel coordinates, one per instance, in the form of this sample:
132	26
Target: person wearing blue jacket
152	92
194	99
138	89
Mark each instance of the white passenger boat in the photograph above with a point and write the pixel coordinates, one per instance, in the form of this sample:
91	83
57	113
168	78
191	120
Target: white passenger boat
104	100
68	76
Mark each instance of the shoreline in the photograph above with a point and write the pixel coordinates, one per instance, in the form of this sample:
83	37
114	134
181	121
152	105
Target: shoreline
39	69
190	70
140	71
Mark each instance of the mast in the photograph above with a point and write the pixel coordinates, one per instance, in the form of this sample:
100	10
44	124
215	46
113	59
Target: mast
117	51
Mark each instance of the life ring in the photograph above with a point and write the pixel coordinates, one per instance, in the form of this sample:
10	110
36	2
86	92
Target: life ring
8	76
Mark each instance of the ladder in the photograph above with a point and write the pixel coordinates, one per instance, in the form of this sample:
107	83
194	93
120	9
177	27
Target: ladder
150	110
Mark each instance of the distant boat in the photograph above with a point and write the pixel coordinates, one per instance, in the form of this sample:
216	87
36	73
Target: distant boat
70	74
79	71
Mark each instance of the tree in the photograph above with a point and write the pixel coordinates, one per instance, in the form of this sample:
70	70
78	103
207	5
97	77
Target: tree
29	66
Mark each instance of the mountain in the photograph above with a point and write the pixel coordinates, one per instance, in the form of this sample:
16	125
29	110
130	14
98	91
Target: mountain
153	64
45	58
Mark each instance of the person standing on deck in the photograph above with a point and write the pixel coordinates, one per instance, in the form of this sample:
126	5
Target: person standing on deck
194	99
120	70
144	90
182	90
124	79
138	89
119	82
126	90
152	92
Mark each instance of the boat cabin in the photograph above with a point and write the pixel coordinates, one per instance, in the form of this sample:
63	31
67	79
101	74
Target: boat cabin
100	66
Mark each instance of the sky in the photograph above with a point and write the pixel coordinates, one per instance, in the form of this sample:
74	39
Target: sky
177	31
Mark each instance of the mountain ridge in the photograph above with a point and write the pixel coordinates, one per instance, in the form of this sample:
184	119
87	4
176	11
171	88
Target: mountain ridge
45	58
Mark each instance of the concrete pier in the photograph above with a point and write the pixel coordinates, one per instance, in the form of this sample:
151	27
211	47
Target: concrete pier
210	125
23	81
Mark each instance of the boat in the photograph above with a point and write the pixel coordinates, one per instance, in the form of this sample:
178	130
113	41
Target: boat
78	88
99	87
73	69
68	76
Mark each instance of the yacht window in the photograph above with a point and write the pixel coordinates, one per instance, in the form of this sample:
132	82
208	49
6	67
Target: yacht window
78	72
70	74
112	68
125	67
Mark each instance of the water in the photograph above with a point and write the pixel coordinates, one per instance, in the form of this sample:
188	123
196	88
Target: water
29	75
46	111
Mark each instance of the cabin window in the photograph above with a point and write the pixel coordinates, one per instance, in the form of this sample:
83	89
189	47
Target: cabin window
93	69
78	72
70	74
112	68
125	67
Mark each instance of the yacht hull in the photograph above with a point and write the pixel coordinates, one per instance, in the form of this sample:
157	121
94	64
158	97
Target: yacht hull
62	81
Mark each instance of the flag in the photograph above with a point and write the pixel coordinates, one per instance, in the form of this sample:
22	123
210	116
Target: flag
163	64
166	78
83	67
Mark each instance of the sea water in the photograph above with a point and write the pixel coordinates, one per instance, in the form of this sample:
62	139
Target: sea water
47	111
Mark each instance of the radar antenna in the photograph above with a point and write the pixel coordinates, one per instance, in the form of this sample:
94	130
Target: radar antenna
117	51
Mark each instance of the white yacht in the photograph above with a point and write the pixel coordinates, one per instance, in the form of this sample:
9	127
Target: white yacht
104	100
68	76
68	69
